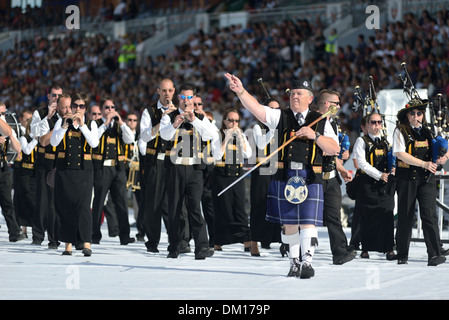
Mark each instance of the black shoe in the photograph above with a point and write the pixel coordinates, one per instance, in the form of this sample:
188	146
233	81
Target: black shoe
16	238
295	268
391	256
204	253
140	237
151	248
348	256
53	245
444	252
36	242
364	255
87	252
125	241
185	249
436	260
402	260
284	249
307	271
173	254
67	253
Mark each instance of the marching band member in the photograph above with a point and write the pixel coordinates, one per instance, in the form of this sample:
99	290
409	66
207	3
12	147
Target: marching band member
295	199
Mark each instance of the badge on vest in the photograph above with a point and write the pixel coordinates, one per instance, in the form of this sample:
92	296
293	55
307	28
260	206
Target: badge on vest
296	190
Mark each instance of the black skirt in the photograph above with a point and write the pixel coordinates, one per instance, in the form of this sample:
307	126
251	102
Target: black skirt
73	193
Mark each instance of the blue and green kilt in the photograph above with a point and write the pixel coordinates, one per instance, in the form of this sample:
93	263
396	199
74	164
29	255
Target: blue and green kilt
279	210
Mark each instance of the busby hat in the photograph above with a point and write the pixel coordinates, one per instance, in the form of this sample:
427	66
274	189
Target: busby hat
412	104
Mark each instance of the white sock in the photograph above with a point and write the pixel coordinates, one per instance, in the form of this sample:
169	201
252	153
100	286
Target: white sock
293	243
309	241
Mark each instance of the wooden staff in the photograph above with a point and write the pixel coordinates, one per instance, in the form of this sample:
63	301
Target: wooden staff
332	110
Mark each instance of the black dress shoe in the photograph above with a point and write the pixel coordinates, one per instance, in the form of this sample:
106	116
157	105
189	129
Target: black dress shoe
284	249
36	242
295	268
151	248
307	271
391	256
346	257
173	254
364	255
16	238
402	260
126	241
87	252
204	253
67	253
436	260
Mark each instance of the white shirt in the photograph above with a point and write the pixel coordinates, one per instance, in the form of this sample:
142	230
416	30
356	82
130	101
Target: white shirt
40	127
218	153
91	135
360	154
27	147
262	139
204	128
146	124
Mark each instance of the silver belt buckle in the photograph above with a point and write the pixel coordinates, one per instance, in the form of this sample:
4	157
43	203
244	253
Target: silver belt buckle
296	190
296	165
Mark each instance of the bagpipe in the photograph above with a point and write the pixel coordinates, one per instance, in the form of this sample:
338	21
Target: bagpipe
436	124
370	105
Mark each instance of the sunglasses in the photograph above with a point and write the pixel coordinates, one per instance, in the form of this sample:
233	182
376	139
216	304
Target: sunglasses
418	113
337	103
81	106
54	95
109	107
198	104
184	97
96	114
134	120
376	121
233	120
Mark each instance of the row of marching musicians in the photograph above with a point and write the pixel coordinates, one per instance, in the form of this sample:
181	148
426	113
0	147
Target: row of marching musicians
302	191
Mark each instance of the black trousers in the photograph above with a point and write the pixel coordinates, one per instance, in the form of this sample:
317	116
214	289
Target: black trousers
24	196
6	203
332	217
73	193
261	230
185	183
409	191
231	219
154	203
207	204
112	180
45	217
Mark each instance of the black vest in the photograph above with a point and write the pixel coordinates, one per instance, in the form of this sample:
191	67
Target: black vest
26	162
73	152
186	142
111	146
46	156
376	154
419	146
299	150
157	145
231	163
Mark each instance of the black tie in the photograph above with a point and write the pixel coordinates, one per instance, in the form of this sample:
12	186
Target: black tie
377	140
417	129
300	119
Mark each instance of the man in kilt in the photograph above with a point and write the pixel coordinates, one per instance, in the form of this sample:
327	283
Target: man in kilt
295	198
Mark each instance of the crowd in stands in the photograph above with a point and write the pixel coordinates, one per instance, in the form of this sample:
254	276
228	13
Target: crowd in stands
276	53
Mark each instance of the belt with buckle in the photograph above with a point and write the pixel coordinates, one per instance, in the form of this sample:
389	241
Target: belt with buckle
296	165
329	175
109	163
185	161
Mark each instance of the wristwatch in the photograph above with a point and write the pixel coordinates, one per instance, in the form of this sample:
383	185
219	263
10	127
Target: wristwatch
317	135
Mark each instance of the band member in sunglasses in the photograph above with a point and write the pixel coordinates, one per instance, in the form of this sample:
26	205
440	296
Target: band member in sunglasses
412	142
